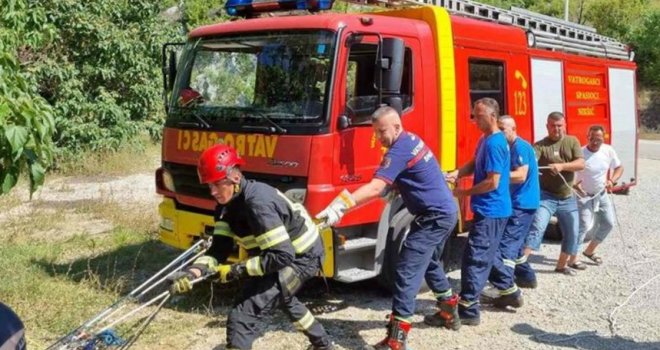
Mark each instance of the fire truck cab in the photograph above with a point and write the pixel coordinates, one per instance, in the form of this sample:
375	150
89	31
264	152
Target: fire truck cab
294	95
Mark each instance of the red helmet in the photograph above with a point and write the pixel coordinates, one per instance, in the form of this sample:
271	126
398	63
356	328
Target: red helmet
189	96
216	161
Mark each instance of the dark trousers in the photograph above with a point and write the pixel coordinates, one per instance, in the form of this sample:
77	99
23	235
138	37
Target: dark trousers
513	240
420	258
482	247
260	296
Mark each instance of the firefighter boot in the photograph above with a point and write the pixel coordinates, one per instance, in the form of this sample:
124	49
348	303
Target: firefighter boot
447	316
397	332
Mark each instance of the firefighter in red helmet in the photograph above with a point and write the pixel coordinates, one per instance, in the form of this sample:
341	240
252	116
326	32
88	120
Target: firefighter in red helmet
283	244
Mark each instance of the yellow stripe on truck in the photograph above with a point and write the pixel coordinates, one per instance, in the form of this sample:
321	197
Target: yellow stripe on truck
439	21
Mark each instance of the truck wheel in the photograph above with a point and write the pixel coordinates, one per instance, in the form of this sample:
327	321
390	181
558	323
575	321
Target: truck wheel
395	238
553	231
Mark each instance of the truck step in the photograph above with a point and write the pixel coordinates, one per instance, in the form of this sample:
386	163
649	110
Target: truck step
357	244
355	274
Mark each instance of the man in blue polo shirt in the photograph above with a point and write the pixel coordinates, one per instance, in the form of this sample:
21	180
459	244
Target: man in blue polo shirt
525	197
411	166
490	202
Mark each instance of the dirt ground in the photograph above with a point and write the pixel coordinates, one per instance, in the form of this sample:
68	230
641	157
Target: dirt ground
613	306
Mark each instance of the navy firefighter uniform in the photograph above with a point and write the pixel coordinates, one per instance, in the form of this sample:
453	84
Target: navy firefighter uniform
491	211
285	250
411	166
525	198
283	245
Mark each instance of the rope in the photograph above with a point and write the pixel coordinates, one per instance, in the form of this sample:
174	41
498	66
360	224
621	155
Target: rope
612	317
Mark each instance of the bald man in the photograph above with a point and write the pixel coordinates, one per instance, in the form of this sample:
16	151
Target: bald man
525	197
411	166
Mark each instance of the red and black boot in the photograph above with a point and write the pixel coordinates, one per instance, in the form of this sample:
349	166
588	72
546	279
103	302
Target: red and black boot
397	333
447	316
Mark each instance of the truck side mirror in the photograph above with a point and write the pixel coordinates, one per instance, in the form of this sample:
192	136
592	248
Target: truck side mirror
171	70
168	64
390	66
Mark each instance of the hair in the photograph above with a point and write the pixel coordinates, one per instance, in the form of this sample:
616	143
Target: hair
504	117
555	116
383	111
596	127
490	103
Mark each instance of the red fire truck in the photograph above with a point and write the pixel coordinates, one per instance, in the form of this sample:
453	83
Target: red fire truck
294	93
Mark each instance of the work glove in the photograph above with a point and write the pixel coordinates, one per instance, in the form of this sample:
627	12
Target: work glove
181	282
337	208
230	273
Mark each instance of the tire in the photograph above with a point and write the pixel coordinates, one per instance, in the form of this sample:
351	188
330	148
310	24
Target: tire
399	229
553	231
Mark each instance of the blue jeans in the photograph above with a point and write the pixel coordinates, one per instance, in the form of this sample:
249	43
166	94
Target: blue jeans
513	239
420	258
567	214
480	252
598	224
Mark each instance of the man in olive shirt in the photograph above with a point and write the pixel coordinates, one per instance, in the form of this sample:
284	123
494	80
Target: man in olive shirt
559	154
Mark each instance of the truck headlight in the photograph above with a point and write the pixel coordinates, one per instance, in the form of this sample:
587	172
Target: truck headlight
167	224
168	181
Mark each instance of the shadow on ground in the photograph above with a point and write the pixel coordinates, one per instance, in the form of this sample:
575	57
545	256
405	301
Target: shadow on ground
581	340
124	269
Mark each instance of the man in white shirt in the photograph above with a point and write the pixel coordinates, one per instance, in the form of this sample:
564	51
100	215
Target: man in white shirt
595	207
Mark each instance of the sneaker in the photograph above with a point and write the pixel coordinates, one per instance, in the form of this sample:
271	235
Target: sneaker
514	300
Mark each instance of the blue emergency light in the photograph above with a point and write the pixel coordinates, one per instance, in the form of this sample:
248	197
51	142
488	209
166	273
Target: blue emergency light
249	7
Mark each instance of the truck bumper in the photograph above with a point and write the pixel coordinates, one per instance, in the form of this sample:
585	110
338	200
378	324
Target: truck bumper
178	228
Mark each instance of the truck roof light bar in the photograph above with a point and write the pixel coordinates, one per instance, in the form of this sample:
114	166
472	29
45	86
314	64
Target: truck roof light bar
248	8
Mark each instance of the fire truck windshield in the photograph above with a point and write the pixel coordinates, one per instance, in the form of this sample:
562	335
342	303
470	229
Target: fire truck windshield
274	80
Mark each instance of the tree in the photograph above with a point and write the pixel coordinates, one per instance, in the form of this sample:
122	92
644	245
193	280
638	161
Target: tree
646	42
26	119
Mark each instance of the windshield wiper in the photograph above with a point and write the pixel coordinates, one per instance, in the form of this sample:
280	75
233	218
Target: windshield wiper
276	127
202	123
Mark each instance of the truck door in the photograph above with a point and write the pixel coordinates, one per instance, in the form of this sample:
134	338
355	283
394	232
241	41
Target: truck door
503	76
357	152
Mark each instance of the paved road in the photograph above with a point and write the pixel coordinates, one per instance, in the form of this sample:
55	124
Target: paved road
649	149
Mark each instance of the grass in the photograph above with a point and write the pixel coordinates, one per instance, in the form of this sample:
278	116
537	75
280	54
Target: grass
135	157
59	268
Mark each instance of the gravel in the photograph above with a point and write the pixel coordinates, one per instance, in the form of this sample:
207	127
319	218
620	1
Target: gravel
590	311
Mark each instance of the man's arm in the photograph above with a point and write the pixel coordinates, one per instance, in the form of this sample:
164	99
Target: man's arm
466	170
575	165
616	175
519	175
490	183
369	191
345	201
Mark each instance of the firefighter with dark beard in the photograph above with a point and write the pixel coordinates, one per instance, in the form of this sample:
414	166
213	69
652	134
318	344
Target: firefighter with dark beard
283	244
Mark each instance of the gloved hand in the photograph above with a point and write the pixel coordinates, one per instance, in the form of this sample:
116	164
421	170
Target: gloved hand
230	273
206	264
337	208
181	282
